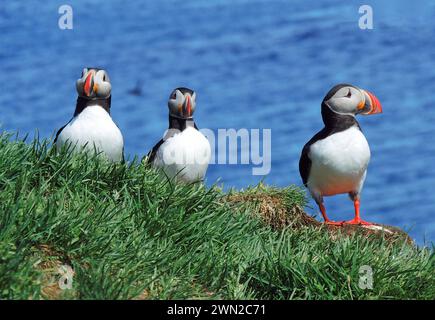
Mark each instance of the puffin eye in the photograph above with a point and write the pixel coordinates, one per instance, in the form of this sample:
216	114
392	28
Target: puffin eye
174	95
349	94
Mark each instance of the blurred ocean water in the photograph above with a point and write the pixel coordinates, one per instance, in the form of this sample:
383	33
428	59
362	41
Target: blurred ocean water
254	64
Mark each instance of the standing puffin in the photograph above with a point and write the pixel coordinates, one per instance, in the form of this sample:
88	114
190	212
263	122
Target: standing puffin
184	152
335	160
92	127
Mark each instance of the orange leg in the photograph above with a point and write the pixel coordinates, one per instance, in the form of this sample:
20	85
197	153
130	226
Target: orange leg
357	219
325	217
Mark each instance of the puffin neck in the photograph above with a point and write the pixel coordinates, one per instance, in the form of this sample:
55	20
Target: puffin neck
83	103
336	121
180	123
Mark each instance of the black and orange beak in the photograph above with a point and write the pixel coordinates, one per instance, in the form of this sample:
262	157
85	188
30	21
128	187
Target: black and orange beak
188	106
371	105
88	88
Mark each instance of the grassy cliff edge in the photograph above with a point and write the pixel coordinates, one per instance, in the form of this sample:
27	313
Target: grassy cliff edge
127	232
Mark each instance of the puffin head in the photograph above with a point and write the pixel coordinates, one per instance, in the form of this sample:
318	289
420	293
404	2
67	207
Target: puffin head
346	99
182	103
94	84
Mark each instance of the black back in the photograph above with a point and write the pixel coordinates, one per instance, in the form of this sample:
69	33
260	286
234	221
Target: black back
334	123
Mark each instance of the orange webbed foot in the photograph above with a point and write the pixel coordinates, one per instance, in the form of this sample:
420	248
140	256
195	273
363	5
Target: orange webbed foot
359	222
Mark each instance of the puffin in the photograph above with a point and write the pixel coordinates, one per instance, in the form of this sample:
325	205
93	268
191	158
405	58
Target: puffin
184	152
91	127
335	160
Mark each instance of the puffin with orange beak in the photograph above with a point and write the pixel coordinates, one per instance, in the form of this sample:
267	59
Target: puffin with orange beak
183	152
92	127
335	160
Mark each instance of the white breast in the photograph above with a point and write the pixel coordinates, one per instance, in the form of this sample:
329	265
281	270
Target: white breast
94	128
339	163
185	155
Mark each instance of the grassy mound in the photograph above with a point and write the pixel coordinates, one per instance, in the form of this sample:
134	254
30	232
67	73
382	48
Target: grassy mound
127	232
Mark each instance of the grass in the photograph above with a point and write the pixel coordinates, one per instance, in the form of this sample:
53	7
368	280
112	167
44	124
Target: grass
127	232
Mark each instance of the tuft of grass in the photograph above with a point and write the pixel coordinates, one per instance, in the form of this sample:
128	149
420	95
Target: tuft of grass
278	207
128	232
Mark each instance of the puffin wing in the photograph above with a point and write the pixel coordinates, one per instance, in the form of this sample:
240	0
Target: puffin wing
305	164
152	154
305	161
60	131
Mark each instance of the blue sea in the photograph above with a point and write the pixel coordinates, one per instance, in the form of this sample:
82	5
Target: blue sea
255	64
